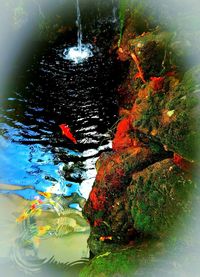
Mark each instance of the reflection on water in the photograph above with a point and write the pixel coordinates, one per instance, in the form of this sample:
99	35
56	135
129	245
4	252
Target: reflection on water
34	154
35	157
47	222
51	239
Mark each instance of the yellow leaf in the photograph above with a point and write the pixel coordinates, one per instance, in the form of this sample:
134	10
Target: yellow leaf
170	113
104	255
22	217
154	132
45	194
37	212
43	229
105	238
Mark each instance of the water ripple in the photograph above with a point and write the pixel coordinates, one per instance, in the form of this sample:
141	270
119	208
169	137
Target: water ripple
57	92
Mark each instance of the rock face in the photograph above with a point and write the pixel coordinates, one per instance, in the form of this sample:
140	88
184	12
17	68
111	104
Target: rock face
108	209
155	194
144	187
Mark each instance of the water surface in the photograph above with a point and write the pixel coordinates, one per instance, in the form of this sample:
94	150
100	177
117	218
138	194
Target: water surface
35	157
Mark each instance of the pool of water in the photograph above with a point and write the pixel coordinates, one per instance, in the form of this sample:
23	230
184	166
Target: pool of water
34	153
35	157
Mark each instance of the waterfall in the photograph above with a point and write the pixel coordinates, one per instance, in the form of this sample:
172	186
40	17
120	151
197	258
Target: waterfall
81	52
114	12
79	26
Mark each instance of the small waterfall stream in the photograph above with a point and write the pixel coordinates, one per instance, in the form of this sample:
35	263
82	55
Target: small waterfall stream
79	27
81	52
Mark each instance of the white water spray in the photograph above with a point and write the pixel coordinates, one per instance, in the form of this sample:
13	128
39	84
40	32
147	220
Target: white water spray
81	52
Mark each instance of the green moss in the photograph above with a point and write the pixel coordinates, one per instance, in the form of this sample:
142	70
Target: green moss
123	5
109	265
149	117
182	135
158	196
147	254
123	262
180	132
138	101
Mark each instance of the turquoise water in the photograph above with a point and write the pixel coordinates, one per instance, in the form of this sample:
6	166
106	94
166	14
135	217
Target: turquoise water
36	167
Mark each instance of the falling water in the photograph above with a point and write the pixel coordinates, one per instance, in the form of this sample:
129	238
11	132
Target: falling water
81	52
114	12
79	27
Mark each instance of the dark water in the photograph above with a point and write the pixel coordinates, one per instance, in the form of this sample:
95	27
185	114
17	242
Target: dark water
52	91
35	157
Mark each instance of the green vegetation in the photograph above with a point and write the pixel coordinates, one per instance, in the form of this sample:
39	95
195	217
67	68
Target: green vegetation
155	194
123	4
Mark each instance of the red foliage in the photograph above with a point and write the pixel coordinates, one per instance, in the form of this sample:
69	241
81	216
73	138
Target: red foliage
33	206
98	199
122	138
123	126
115	180
98	222
140	73
170	73
100	174
119	172
157	83
181	162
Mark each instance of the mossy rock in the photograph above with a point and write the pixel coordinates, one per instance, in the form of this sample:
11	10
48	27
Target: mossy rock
120	263
107	208
171	114
161	51
143	259
152	50
182	134
159	196
98	247
147	21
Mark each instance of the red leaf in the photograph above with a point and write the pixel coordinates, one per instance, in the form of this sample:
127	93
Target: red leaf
157	83
181	162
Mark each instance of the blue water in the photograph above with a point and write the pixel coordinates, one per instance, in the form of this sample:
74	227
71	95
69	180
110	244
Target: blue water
25	165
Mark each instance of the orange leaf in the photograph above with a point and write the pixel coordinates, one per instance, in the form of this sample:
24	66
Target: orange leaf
105	238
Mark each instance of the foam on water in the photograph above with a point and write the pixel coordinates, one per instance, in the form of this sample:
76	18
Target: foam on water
78	54
81	52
